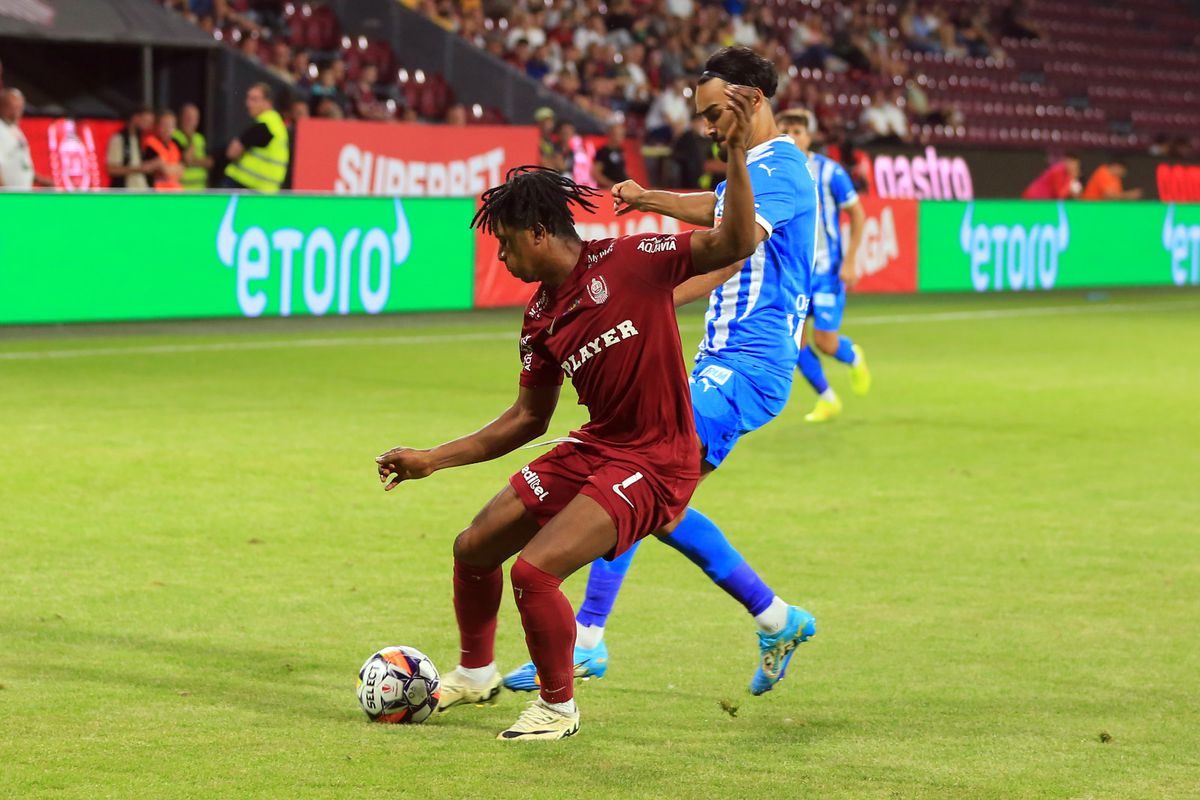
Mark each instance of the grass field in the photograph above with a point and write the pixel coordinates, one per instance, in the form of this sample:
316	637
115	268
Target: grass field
1001	545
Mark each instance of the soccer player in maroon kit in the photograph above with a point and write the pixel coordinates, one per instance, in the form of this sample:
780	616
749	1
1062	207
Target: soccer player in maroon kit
604	316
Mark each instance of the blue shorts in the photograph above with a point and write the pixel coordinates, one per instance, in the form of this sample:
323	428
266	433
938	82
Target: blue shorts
727	405
828	302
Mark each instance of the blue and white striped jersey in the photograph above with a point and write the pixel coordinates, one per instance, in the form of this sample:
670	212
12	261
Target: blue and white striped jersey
754	319
836	191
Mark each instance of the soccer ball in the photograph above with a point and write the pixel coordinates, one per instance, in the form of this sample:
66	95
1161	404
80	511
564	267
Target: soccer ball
399	684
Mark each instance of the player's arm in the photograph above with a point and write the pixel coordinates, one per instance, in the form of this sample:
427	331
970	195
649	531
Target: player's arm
700	286
739	233
858	221
695	208
527	418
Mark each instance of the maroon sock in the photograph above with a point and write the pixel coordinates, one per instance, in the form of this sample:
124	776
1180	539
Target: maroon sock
476	601
549	626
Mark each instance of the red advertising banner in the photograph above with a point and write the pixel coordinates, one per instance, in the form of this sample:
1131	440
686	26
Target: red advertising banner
887	256
1178	183
409	159
494	286
70	151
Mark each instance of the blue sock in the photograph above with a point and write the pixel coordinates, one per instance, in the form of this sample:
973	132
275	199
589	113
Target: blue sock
702	542
604	582
845	351
810	368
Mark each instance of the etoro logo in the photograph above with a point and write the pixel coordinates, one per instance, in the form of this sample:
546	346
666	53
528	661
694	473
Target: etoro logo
330	268
1182	243
1014	256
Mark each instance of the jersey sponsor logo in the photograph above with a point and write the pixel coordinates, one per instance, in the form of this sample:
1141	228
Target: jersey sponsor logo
610	337
535	484
598	289
618	488
824	299
539	305
596	258
658	245
526	353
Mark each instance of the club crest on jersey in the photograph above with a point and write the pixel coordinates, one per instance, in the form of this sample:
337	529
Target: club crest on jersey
598	289
657	245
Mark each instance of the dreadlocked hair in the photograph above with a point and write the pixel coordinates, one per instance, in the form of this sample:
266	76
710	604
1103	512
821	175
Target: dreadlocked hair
533	197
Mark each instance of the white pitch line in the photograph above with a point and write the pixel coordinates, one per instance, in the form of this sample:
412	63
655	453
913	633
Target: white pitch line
482	336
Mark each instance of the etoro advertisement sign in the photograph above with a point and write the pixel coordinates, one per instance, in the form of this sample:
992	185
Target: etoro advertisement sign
1005	246
97	257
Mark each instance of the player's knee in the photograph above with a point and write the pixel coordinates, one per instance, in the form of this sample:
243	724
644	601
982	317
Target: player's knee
826	341
467	548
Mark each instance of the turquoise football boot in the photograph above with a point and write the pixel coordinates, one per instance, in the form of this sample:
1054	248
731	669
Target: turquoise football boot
775	650
588	664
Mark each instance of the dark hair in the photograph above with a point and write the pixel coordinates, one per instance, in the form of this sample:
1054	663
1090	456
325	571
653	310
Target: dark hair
1071	154
1115	160
533	197
267	92
741	66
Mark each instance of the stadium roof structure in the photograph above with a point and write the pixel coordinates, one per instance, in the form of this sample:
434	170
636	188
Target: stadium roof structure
136	22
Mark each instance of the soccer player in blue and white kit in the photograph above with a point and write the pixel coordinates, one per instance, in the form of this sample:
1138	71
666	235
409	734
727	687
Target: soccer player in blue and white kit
744	368
836	269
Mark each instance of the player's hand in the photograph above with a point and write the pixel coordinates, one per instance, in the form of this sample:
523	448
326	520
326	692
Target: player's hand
626	195
849	271
403	464
741	101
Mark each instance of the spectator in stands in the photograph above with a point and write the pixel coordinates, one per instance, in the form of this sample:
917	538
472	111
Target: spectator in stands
884	121
280	64
361	94
564	147
1107	182
690	156
327	88
126	168
519	57
196	160
609	167
327	108
259	157
670	113
303	70
456	115
976	36
547	148
159	145
1060	181
16	163
538	65
1016	23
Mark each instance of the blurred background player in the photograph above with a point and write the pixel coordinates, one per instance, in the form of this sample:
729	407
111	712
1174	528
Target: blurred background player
836	269
604	313
1059	181
744	368
1108	182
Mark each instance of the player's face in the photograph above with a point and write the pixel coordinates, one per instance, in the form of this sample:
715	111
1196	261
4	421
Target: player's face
799	134
518	253
718	119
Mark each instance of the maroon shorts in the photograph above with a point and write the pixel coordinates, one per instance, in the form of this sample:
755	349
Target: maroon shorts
638	501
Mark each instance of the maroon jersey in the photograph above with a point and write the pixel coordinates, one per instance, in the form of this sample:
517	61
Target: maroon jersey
611	327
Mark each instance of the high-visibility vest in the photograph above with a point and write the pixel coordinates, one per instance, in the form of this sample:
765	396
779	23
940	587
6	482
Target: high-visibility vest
169	153
264	168
194	178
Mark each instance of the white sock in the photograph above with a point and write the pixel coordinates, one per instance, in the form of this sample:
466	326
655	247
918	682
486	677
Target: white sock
588	636
774	617
829	396
478	675
562	708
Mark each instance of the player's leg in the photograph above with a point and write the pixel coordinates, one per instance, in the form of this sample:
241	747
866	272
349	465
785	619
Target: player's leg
582	532
720	411
824	317
591	653
830	341
501	529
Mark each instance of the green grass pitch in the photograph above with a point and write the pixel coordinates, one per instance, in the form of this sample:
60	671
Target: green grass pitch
1001	545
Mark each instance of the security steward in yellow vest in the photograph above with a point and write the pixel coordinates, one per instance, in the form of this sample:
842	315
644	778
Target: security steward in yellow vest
194	147
258	158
